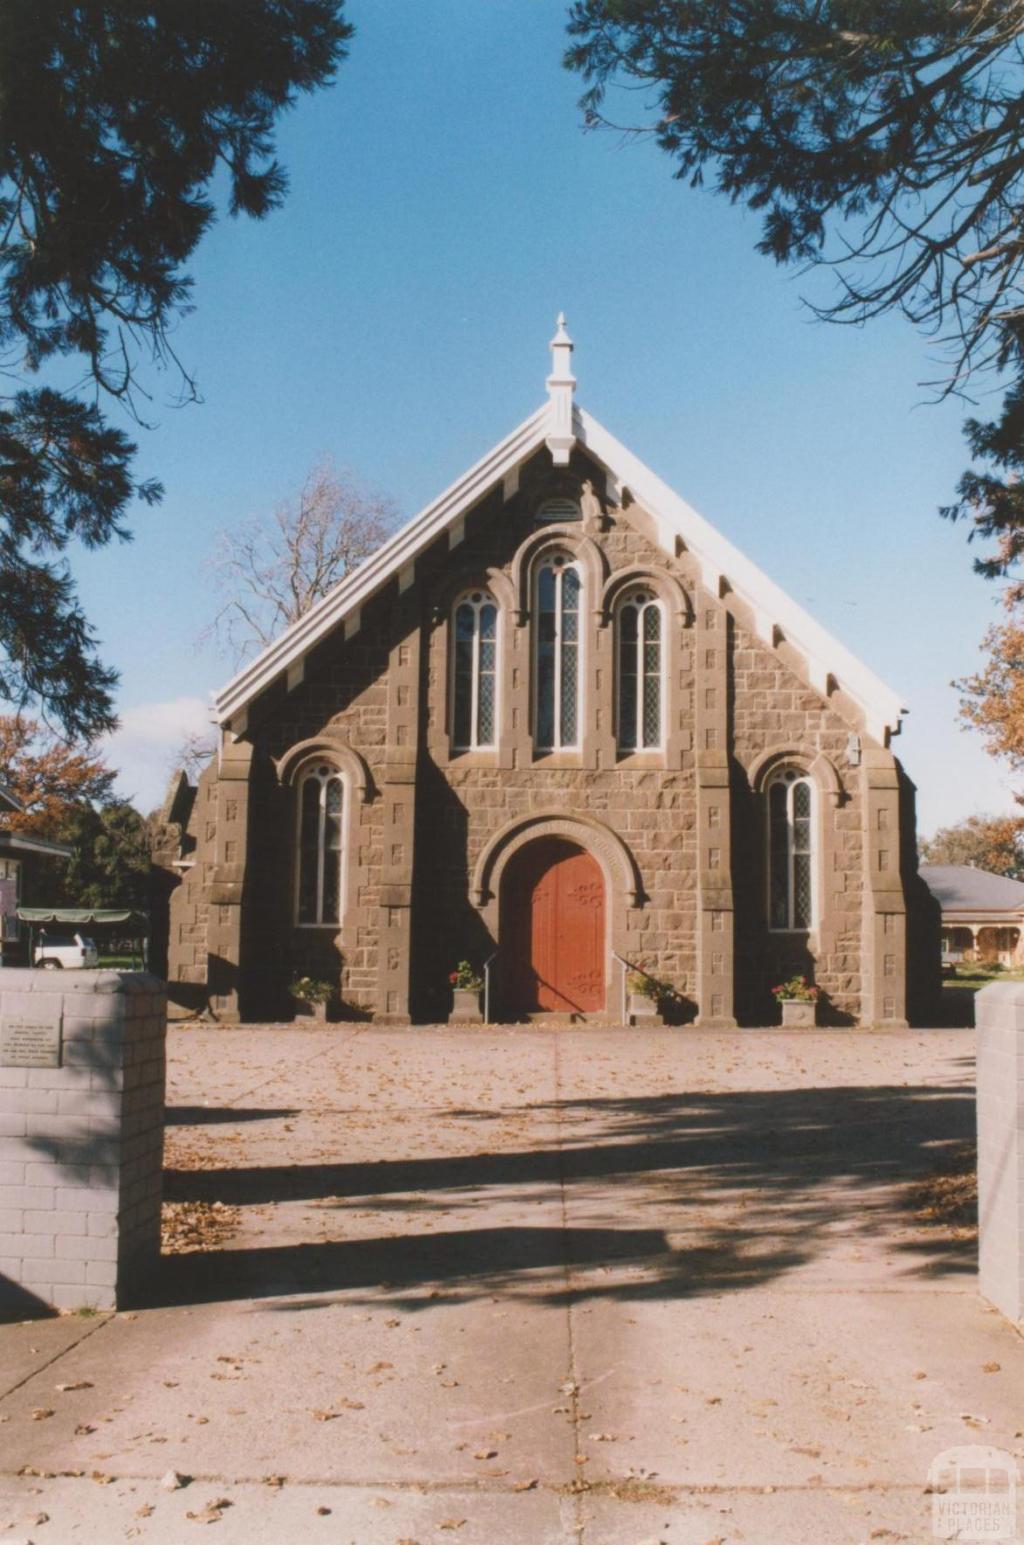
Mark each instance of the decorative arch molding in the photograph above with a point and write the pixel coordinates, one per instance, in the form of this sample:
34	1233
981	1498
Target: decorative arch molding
493	579
664	584
816	763
606	846
335	750
584	550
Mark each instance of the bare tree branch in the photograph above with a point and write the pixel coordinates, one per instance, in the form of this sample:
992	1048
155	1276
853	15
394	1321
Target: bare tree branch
271	570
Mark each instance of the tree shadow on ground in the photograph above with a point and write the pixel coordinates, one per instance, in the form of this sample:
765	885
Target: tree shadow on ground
215	1115
668	1197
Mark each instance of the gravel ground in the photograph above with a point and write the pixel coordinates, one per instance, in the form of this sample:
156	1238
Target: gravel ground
533	1286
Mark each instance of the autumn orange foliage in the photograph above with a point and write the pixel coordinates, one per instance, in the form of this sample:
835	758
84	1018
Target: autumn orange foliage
46	776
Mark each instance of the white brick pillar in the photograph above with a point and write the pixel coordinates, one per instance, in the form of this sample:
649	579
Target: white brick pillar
82	1074
999	1015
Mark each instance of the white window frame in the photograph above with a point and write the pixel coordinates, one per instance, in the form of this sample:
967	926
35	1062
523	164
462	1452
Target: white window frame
650	598
792	778
477	598
311	771
550	560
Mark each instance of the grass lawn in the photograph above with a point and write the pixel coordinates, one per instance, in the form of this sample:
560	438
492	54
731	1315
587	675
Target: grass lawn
958	991
975	976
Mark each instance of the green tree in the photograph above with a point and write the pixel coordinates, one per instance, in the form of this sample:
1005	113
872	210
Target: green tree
109	864
114	121
881	138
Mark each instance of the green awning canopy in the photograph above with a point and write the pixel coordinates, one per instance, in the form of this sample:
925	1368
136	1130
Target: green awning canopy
94	916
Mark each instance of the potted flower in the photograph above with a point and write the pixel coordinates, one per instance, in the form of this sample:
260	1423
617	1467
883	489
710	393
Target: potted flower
799	1000
466	985
313	994
648	997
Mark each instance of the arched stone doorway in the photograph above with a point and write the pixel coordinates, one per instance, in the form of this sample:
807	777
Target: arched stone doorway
553	930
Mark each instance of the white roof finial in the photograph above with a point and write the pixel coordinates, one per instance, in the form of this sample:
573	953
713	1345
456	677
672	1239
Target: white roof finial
561	384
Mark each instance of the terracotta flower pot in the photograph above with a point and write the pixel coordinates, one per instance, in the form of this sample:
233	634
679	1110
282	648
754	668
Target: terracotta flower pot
797	1014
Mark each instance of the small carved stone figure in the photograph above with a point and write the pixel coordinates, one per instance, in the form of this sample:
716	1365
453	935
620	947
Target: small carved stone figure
590	508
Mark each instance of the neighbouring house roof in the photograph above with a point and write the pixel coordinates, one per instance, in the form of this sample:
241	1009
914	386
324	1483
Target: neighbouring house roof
560	424
962	888
86	915
21	842
9	800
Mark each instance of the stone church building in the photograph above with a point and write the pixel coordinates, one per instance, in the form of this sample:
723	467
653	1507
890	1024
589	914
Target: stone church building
560	723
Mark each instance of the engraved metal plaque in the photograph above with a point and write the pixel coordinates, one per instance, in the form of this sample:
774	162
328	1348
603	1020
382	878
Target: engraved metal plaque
30	1041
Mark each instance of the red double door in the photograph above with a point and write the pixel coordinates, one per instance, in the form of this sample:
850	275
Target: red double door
553	930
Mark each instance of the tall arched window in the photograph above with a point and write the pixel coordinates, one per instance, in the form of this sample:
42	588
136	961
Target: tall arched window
640	672
474	672
321	796
791	850
557	650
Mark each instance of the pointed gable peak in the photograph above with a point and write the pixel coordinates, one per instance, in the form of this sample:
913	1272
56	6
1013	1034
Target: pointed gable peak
561	384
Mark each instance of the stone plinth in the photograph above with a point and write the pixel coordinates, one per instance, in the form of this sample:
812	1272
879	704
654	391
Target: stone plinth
999	1014
82	1077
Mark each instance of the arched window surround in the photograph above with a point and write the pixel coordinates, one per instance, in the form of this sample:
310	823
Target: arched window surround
641	630
559	648
793	834
328	748
474	671
322	797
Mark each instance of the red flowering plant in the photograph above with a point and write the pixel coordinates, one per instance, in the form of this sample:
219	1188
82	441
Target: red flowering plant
465	977
796	990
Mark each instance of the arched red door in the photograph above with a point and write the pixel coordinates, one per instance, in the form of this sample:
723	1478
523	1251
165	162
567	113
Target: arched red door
552	930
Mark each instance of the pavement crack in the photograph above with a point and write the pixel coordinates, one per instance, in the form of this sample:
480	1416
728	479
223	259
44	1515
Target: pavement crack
578	1482
41	1367
289	1070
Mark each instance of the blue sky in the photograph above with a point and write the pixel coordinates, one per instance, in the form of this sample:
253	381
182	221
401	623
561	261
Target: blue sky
444	205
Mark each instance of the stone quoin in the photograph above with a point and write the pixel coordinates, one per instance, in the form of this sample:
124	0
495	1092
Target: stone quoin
558	720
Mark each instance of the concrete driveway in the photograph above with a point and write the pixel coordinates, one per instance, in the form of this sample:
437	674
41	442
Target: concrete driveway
531	1286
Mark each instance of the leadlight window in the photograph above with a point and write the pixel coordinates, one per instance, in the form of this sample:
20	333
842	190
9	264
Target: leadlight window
791	844
640	672
321	797
475	672
557	645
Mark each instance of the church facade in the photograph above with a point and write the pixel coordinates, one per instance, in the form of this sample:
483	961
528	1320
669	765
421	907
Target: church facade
559	724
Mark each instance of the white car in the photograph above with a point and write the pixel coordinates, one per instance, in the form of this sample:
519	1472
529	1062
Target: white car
65	951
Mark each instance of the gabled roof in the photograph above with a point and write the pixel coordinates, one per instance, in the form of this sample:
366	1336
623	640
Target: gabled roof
962	888
559	423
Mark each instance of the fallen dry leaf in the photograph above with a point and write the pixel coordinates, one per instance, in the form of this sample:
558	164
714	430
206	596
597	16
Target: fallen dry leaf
78	1384
188	1226
41	1413
991	1367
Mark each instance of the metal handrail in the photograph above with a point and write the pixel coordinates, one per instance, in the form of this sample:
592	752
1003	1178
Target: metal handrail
487	986
625	968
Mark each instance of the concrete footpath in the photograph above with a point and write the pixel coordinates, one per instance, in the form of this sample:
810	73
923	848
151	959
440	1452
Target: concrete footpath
532	1286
